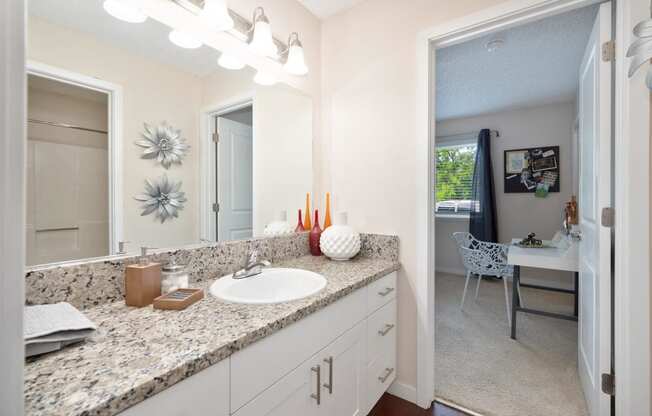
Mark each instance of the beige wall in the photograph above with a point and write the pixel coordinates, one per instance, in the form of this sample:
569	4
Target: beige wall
151	93
282	131
368	149
288	16
517	214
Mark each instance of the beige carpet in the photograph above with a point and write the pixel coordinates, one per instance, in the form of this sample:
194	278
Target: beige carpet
478	365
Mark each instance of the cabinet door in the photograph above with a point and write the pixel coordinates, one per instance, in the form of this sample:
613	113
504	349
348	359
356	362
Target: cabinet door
343	363
296	394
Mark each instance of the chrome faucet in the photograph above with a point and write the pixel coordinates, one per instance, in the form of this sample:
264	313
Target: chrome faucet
252	266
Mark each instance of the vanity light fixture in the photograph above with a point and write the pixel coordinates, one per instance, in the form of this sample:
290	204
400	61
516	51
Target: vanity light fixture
124	11
264	78
261	40
229	61
216	15
296	62
183	39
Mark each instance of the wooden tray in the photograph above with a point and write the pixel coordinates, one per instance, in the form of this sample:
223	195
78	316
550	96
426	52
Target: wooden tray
179	299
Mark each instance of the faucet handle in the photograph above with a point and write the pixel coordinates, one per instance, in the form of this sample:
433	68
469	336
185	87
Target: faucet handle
121	247
252	257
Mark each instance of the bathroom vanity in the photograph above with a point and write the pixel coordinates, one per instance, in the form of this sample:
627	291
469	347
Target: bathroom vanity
333	353
337	361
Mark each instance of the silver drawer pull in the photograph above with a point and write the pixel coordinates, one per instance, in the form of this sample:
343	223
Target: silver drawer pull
317	396
385	331
388	372
329	385
386	292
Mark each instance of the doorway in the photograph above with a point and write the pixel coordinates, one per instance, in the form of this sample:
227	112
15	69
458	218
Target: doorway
233	206
471	357
74	124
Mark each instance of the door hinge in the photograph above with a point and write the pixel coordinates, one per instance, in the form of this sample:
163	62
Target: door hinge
608	217
609	51
216	207
216	137
609	384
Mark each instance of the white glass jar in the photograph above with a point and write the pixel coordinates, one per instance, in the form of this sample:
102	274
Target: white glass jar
173	276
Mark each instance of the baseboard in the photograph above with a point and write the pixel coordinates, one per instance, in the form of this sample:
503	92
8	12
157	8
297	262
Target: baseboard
525	278
451	270
457	406
403	391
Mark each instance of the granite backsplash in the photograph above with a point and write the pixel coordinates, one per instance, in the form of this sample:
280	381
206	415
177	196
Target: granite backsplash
90	283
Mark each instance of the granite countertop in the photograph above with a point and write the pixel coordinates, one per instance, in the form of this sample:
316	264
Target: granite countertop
138	352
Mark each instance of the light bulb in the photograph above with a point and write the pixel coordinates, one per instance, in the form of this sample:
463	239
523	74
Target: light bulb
124	11
216	15
230	62
184	39
296	63
262	41
264	78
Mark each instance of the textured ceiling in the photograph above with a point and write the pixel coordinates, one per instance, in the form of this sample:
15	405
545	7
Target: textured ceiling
325	8
538	64
148	39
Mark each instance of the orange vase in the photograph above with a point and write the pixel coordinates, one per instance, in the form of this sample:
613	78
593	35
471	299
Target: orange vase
327	217
307	224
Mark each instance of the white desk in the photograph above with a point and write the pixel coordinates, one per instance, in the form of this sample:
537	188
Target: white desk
565	259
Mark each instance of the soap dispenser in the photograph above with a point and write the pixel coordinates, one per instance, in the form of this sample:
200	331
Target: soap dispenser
142	281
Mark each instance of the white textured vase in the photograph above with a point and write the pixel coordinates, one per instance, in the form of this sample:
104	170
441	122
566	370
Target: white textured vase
280	227
339	241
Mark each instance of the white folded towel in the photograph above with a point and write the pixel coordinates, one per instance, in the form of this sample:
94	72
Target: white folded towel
52	327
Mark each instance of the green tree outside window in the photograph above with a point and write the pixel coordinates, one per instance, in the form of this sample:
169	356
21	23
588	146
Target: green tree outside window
454	172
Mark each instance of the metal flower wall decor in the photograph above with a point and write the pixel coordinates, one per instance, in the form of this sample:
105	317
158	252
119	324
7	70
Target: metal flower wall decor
641	50
163	197
163	143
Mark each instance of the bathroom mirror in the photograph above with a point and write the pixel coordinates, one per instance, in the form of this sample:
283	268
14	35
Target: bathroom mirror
135	141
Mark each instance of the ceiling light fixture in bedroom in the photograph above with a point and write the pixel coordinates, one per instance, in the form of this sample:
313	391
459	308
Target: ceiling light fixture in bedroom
494	44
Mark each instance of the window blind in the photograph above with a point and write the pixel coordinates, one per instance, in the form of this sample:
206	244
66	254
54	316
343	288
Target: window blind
454	177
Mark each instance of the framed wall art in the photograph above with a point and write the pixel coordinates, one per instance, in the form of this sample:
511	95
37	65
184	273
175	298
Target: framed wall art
531	170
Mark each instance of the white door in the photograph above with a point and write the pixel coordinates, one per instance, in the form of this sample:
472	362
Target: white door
344	387
234	180
594	329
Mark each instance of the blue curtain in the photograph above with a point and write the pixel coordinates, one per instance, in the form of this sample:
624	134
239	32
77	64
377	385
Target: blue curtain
482	219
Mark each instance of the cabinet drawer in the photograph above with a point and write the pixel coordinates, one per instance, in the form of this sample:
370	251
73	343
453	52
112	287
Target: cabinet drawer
381	332
258	366
381	292
380	375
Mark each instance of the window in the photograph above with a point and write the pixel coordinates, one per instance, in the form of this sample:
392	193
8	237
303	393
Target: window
454	178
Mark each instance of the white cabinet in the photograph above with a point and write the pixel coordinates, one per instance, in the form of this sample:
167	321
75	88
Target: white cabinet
343	376
335	362
204	394
331	382
293	395
261	364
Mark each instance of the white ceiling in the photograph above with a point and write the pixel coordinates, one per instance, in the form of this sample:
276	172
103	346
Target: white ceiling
148	39
538	64
326	8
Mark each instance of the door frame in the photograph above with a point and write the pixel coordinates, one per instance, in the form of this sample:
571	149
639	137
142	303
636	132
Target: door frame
208	161
115	137
632	250
13	114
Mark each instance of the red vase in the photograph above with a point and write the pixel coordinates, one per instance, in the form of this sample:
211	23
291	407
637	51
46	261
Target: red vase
315	234
299	228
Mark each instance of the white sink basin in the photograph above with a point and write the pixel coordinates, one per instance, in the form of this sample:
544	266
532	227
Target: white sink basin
271	286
